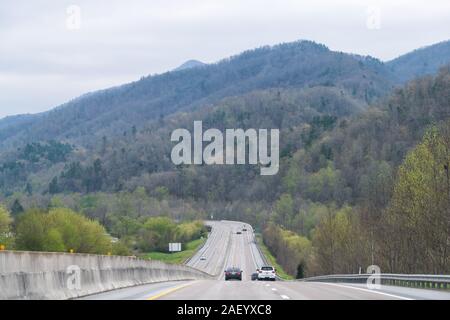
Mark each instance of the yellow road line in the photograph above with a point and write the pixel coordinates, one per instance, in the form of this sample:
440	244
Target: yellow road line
169	291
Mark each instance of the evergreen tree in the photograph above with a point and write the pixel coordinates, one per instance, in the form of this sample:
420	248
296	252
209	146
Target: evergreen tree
53	187
16	207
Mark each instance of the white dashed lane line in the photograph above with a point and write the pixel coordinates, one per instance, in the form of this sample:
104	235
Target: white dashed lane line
275	290
283	296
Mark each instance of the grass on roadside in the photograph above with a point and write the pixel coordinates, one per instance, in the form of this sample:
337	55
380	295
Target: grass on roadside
280	272
176	257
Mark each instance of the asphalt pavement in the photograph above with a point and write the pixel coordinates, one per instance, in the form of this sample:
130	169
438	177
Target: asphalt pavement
225	248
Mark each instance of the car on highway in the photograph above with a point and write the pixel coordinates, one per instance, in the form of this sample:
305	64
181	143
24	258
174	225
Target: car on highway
254	276
238	232
267	273
202	258
245	229
233	273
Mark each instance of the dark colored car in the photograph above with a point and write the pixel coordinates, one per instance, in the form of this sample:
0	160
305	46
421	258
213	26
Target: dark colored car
244	229
233	273
254	276
238	232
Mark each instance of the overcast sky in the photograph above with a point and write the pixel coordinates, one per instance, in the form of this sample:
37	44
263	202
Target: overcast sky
47	57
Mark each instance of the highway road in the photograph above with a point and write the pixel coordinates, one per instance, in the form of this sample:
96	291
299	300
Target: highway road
226	248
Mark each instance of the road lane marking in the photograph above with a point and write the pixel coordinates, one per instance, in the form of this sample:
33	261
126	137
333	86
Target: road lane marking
169	291
267	285
284	297
274	289
366	290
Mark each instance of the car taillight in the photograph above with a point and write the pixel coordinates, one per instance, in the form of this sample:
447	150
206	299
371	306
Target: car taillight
273	271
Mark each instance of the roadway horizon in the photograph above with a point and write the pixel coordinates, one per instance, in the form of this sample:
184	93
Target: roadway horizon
225	248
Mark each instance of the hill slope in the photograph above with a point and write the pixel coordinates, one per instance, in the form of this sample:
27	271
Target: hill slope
423	61
302	88
293	65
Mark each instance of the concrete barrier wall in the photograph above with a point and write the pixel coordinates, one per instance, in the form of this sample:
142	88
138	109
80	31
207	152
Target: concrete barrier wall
41	275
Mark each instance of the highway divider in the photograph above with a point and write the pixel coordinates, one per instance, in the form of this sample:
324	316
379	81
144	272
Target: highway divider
43	275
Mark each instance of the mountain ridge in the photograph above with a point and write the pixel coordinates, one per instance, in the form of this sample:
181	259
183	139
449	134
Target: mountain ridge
422	61
296	64
189	65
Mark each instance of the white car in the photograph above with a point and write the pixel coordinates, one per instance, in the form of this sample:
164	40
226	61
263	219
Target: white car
267	273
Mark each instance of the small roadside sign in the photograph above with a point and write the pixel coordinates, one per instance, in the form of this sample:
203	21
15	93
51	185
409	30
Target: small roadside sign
174	247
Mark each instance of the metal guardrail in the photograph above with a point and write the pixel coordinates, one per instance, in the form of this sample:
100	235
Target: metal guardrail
423	281
261	254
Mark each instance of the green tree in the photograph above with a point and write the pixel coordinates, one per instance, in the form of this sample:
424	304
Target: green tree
327	185
157	233
418	217
53	187
29	189
30	230
56	202
125	226
161	193
121	248
16	207
188	231
341	245
284	210
53	241
290	249
61	229
5	227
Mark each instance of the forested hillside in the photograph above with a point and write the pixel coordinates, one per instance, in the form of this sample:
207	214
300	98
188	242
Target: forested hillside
420	62
111	112
351	146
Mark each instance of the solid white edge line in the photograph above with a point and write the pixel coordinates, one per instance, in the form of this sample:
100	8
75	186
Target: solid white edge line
365	290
